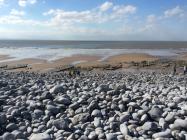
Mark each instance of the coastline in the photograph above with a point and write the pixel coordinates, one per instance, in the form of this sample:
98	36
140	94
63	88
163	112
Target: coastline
90	62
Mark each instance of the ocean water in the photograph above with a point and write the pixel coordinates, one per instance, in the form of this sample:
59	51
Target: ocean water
52	50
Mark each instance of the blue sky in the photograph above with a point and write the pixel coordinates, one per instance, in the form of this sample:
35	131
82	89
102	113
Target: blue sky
94	19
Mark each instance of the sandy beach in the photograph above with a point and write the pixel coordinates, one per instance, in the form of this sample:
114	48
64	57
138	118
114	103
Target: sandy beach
126	61
83	61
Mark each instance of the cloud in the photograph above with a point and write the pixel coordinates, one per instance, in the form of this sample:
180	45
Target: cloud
15	12
17	20
1	2
105	21
106	6
124	9
175	12
24	3
151	19
32	1
96	15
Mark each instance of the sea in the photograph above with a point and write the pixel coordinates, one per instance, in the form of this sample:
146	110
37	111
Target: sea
55	49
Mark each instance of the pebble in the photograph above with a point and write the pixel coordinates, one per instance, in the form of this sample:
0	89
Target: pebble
96	113
170	117
8	136
111	105
92	135
11	126
56	89
124	129
61	124
155	113
166	134
18	134
179	124
149	126
40	136
3	118
111	136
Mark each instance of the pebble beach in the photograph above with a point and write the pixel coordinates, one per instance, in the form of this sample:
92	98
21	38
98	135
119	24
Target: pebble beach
104	105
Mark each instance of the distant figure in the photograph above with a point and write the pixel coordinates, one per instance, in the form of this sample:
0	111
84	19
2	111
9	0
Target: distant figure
174	69
184	69
78	72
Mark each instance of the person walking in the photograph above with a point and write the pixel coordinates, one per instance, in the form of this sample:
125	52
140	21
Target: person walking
184	70
174	69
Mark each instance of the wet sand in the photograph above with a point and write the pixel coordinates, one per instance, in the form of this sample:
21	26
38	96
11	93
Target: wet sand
85	62
4	57
132	57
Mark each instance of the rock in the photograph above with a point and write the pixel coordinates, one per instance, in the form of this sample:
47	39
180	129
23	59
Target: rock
93	105
111	136
155	113
3	84
179	124
11	127
172	105
144	118
92	136
165	134
178	99
3	118
170	117
63	100
57	89
38	113
163	123
53	109
124	129
96	113
18	134
74	106
8	136
15	113
61	124
40	136
97	122
125	117
82	117
71	137
83	137
102	88
46	95
149	126
26	115
29	130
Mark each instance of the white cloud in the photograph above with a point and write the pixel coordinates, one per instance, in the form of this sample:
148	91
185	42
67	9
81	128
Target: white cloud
106	6
18	20
95	15
151	18
33	1
123	9
106	21
1	2
175	12
24	3
15	12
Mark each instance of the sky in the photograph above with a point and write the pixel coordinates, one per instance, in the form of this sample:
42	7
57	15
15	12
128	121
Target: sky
164	20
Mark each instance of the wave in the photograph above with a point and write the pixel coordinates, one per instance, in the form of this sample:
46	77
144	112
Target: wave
18	53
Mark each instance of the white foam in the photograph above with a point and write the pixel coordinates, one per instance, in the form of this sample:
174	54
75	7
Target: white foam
54	54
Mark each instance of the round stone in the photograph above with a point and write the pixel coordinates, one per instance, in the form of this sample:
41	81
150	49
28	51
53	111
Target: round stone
96	113
40	136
